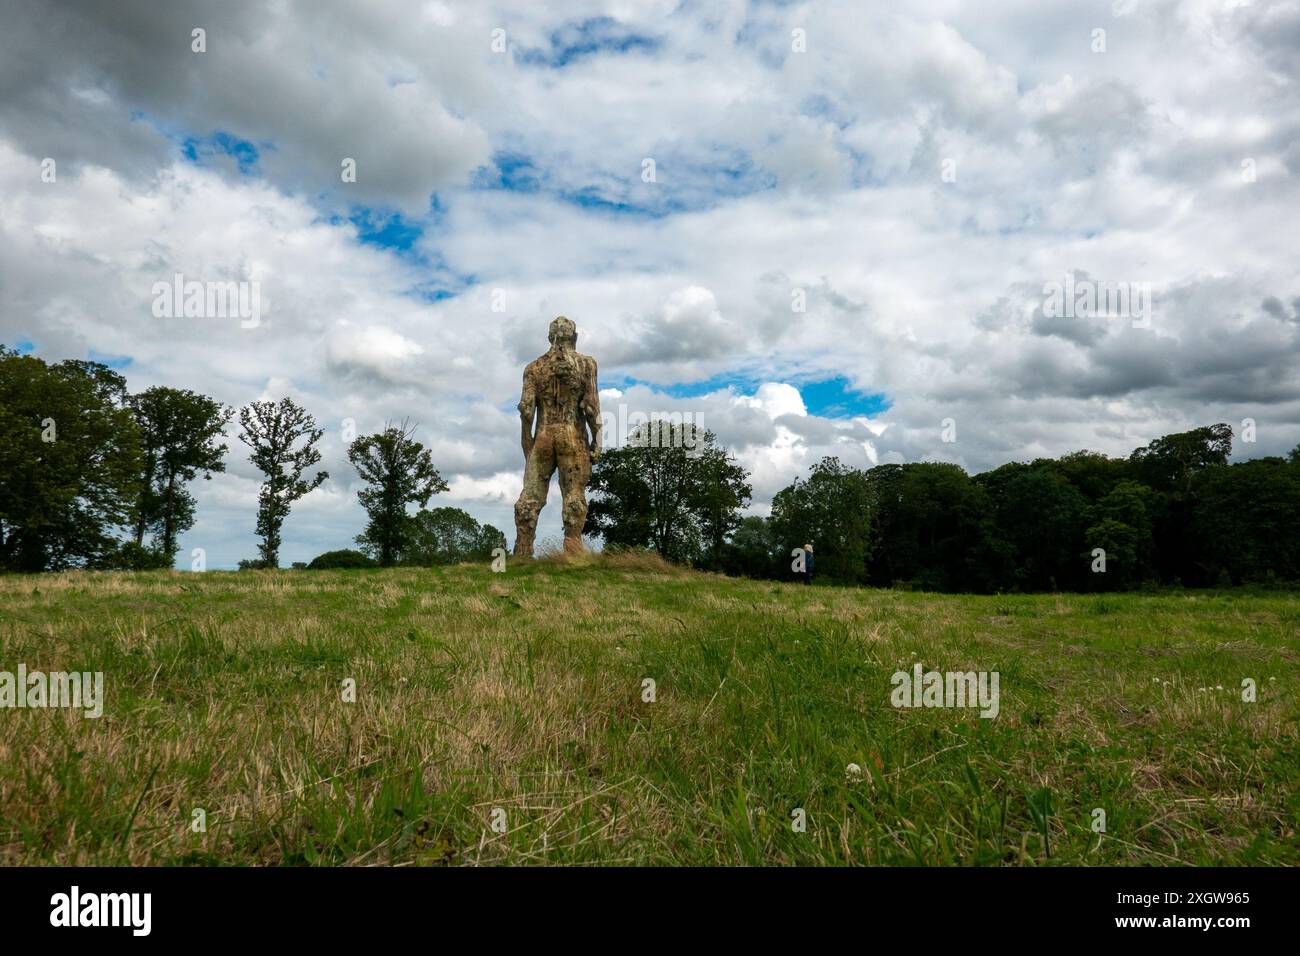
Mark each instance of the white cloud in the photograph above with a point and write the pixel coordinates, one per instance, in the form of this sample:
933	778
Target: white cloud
779	172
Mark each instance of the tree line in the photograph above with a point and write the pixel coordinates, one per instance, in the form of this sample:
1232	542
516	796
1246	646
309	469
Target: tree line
1173	513
92	476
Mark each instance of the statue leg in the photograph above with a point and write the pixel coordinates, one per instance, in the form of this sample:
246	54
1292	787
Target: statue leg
575	470
537	482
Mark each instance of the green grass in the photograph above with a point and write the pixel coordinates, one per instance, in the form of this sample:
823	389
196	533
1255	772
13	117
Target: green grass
523	692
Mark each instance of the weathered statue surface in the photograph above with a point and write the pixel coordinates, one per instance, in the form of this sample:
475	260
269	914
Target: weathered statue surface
560	393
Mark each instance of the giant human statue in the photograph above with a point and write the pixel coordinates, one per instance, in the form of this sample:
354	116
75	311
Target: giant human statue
560	391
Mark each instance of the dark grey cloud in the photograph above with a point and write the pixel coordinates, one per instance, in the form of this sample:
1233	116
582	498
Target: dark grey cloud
308	84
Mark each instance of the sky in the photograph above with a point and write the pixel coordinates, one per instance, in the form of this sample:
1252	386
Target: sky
821	228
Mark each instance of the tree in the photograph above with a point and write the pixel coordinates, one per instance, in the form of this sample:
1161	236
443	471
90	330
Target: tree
1173	511
1042	517
671	488
1092	473
933	528
1122	525
830	510
1246	522
1168	463
753	551
723	491
179	430
273	433
69	463
338	560
398	471
449	536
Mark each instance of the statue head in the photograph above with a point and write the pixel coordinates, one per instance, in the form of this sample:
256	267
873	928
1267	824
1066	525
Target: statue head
563	332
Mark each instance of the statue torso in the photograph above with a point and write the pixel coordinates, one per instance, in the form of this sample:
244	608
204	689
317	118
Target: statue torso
559	381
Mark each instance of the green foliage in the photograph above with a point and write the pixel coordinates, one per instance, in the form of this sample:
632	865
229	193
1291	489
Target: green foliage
723	489
1174	513
342	558
70	463
670	488
448	536
179	433
753	550
398	471
273	433
1168	463
1041	517
129	556
1092	473
831	510
1122	525
1246	522
933	528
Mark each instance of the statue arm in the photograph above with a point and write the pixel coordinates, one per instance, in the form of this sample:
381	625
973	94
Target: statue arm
591	409
527	410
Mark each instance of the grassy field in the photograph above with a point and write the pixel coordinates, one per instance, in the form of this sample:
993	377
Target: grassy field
517	700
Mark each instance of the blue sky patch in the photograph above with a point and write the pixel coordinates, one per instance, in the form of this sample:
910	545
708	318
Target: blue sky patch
200	149
826	398
836	398
513	171
686	184
591	198
591	37
117	362
692	182
387	230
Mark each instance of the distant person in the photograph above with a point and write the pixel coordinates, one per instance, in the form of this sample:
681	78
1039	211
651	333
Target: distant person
807	563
